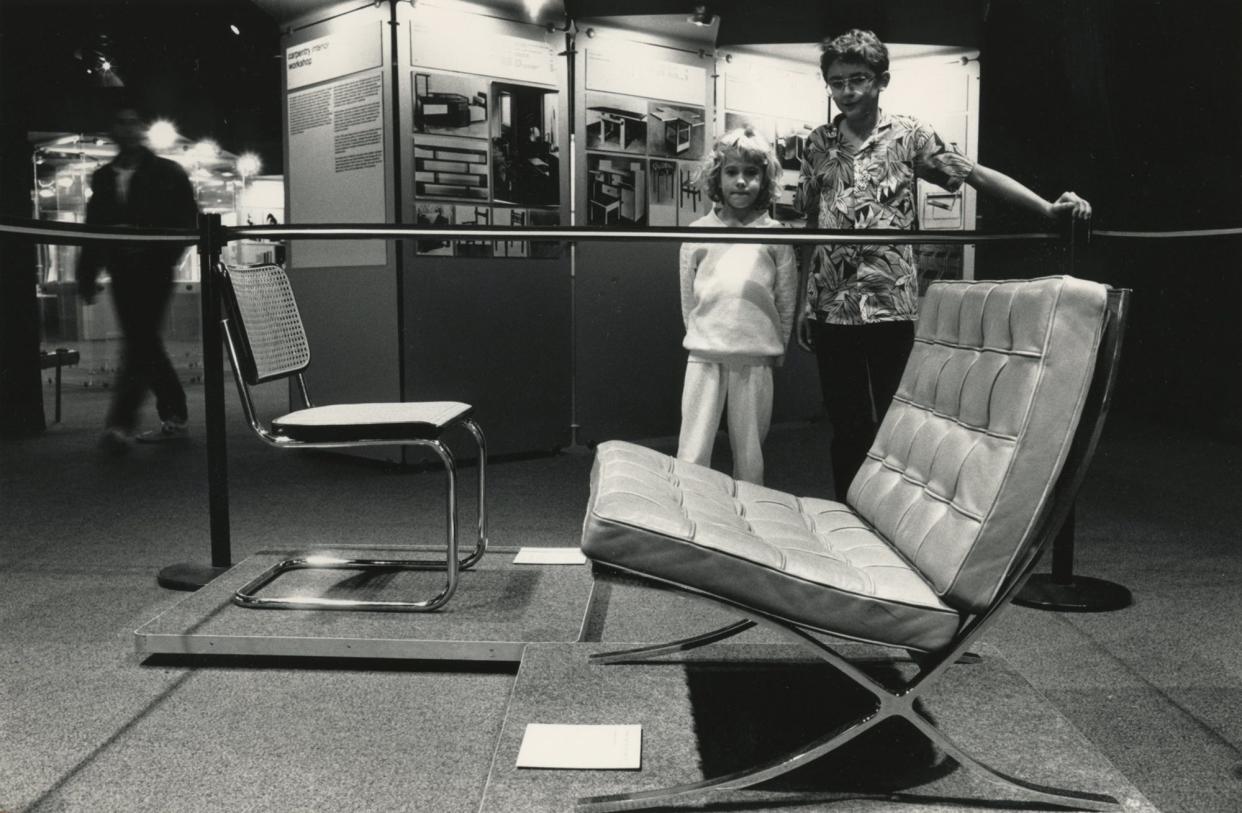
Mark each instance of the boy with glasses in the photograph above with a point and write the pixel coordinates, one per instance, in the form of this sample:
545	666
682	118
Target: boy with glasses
860	301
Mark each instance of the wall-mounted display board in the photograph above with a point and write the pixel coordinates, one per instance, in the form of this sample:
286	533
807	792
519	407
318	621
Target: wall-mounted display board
782	100
484	142
486	128
940	86
339	168
334	123
645	124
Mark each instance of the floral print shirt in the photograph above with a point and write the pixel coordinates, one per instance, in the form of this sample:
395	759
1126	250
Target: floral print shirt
870	187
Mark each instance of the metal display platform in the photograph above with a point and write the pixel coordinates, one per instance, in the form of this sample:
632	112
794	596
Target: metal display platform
498	609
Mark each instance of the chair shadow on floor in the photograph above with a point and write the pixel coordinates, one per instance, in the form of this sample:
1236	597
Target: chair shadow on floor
748	713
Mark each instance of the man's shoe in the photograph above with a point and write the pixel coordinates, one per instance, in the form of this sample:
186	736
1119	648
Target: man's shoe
115	441
171	429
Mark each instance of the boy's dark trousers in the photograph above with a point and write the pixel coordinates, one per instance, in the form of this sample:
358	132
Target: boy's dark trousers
860	368
141	293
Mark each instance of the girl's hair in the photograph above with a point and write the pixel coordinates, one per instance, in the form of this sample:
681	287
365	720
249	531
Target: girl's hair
855	45
752	148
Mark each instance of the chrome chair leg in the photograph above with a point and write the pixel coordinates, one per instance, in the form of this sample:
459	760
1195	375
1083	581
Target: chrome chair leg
246	596
643	653
480	546
889	702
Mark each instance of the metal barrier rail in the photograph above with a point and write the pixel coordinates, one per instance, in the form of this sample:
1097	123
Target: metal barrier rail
74	234
211	235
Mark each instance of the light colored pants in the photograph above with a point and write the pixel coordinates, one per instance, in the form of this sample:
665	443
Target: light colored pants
746	389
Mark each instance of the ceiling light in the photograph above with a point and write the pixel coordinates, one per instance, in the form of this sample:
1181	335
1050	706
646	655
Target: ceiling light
236	31
162	135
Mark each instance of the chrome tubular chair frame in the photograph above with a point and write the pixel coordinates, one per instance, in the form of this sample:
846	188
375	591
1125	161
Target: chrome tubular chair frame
245	374
896	701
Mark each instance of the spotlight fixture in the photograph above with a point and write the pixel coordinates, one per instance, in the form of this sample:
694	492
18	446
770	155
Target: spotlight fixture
701	16
236	31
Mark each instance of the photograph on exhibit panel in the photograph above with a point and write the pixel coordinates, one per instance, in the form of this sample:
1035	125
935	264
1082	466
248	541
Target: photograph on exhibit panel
762	125
616	190
790	143
615	123
662	197
450	167
513	247
675	131
692	201
544	219
450	104
526	157
434	214
470	215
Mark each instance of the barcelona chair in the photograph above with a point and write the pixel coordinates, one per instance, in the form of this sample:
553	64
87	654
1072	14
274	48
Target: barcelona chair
973	470
266	342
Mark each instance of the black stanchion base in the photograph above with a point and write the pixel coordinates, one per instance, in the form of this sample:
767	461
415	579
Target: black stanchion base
1081	594
187	576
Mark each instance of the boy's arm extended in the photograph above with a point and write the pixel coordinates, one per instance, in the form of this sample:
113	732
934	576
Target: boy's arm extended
999	185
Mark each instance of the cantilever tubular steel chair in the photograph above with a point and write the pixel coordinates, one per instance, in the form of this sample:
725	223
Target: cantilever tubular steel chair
973	471
266	342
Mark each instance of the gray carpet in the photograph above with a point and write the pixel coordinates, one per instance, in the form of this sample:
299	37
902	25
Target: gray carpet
87	726
732	706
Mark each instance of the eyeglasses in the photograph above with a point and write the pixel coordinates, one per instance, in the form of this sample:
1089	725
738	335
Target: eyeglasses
857	81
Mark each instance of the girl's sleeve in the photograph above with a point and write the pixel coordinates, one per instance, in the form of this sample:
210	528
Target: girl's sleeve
786	288
688	265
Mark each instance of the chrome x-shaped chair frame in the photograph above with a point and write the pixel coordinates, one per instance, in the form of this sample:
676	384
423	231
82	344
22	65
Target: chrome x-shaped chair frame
611	533
267	342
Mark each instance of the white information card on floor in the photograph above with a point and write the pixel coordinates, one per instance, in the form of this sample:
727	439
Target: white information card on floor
549	556
581	747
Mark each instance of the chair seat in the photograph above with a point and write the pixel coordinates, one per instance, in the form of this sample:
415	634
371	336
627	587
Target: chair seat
810	561
343	423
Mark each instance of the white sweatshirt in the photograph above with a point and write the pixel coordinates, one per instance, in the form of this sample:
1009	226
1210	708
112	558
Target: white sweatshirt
738	299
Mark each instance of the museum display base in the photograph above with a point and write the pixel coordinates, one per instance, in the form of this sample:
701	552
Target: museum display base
730	706
499	608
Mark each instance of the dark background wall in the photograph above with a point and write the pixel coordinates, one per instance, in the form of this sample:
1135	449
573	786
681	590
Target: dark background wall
1134	104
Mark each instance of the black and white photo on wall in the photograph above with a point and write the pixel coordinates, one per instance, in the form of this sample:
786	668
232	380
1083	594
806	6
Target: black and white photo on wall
450	104
472	215
434	214
692	202
526	154
675	131
616	190
790	146
615	123
663	193
544	219
762	125
450	167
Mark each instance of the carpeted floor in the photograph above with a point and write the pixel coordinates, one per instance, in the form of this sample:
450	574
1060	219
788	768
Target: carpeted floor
1156	689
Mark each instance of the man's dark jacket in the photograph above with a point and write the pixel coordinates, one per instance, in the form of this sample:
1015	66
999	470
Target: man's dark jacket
160	196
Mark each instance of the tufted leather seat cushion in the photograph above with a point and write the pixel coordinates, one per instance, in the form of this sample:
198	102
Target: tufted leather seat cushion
353	422
809	560
963	464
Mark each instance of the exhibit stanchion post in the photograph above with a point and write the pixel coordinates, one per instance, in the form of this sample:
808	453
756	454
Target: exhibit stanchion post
192	575
1061	590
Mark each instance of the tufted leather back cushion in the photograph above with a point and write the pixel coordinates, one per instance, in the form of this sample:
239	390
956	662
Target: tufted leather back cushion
972	445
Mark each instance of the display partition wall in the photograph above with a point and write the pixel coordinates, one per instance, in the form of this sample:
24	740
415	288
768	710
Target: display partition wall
459	114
